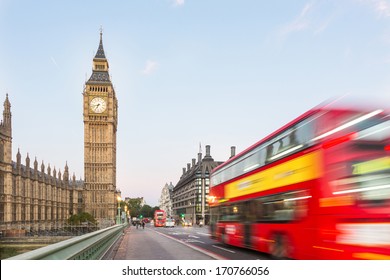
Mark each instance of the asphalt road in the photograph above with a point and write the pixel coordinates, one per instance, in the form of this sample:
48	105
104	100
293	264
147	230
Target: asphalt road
178	243
199	237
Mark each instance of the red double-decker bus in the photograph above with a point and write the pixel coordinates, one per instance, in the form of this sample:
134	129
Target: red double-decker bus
159	218
317	188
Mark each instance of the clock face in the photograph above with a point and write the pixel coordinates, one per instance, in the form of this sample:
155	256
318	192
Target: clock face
98	105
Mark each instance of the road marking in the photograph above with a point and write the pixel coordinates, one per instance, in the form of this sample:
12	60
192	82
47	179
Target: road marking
193	241
215	246
193	236
174	233
202	233
204	251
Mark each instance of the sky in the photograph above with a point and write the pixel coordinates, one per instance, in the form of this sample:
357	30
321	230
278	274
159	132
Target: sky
187	73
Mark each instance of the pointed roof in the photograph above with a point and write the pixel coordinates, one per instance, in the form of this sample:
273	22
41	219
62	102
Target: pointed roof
7	106
100	75
6	102
100	51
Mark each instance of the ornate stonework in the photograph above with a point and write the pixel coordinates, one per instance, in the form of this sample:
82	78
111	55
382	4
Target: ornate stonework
100	127
35	198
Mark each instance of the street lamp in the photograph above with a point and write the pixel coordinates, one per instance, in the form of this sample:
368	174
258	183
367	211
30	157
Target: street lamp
125	214
118	218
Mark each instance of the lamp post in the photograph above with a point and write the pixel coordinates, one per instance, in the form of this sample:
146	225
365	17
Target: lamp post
125	214
118	218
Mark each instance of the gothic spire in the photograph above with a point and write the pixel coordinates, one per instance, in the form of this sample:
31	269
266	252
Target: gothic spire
18	158
100	51
35	164
66	173
28	162
42	167
100	65
7	112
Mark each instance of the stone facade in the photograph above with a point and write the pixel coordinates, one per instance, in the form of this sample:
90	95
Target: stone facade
165	201
100	126
191	192
33	199
39	198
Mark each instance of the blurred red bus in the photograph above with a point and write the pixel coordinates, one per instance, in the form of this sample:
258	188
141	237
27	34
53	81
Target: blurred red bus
318	188
159	218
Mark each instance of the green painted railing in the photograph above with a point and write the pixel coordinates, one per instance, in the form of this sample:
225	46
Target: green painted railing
90	246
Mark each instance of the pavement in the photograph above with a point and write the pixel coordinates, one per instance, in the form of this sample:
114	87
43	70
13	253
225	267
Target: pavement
147	244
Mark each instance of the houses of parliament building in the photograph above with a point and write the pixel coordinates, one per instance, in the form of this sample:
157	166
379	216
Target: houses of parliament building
34	197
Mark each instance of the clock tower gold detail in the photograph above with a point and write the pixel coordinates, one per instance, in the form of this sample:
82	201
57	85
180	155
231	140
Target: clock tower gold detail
100	114
98	105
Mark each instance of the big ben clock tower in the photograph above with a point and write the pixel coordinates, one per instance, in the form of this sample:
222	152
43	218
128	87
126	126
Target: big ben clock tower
100	110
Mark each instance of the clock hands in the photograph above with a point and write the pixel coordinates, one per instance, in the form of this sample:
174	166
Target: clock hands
98	105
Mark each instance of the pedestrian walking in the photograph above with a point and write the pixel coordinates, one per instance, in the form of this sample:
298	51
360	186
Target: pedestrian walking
143	224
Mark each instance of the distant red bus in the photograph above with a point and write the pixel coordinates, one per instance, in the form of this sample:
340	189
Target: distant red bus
318	188
159	218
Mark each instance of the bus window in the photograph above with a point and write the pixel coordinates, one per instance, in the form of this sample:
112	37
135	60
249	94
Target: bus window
231	213
252	210
290	141
304	132
284	207
270	153
214	215
250	163
284	144
274	150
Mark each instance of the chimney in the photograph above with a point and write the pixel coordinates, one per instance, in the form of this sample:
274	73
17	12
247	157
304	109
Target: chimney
199	157
232	151
193	162
208	156
184	170
188	166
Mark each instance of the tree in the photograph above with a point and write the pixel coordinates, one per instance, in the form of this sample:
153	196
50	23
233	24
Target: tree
80	218
146	211
134	205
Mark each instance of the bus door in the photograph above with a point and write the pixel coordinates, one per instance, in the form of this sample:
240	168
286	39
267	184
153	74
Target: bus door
249	219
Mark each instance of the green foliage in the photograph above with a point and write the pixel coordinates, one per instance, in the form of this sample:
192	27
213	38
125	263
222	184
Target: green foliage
134	205
146	211
80	218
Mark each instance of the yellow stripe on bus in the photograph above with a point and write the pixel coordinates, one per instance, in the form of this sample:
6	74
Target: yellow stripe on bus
301	169
371	256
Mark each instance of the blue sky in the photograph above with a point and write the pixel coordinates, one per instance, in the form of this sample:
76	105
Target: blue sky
215	72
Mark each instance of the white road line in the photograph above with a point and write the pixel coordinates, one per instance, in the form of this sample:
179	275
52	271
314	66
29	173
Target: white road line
202	233
204	251
215	246
193	241
174	233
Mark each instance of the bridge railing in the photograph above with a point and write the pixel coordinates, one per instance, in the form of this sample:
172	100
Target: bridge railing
90	246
